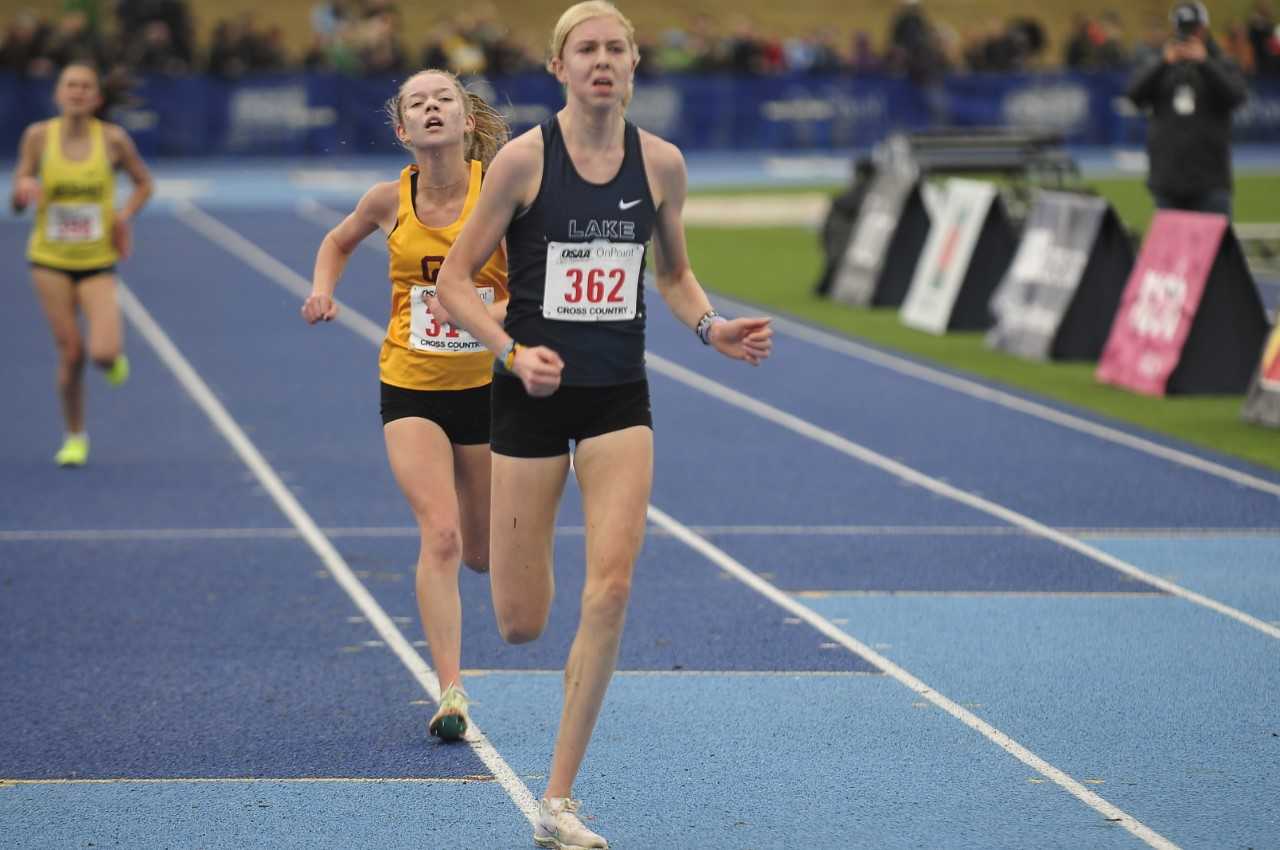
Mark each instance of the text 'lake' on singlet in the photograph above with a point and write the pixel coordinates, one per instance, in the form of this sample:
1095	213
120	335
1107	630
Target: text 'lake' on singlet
577	265
76	212
419	353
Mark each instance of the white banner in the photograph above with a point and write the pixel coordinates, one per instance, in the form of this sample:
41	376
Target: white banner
941	271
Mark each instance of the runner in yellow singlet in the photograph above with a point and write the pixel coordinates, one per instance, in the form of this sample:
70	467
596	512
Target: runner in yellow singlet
435	378
66	168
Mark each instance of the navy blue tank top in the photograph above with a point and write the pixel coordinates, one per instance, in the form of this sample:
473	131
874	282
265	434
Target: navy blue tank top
575	265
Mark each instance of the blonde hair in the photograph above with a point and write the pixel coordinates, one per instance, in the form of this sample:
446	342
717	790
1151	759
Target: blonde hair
579	12
491	131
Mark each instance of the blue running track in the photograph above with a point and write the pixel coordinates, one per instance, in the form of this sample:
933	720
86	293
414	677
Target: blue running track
873	611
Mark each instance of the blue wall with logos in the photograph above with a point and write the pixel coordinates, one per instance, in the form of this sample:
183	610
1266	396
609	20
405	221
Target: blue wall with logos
307	114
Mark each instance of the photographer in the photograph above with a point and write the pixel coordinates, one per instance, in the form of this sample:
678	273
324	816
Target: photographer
1191	90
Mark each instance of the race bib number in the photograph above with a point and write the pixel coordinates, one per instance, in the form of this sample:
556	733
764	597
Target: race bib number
592	281
426	334
73	222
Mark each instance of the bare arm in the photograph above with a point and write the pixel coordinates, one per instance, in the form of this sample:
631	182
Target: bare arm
128	159
125	156
26	188
376	210
497	310
741	339
511	183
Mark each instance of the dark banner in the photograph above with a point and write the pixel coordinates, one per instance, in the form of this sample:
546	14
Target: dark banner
301	114
1060	294
892	212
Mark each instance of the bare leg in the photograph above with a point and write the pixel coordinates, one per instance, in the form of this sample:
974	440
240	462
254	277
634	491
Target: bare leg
471	471
422	462
97	298
57	296
526	497
615	473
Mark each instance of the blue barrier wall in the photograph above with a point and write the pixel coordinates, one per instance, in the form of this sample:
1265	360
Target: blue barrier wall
330	114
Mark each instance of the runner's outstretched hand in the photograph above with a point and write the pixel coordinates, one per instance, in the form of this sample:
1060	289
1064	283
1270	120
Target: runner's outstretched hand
319	308
743	339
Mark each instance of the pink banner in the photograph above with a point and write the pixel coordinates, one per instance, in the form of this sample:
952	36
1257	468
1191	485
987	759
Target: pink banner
1160	300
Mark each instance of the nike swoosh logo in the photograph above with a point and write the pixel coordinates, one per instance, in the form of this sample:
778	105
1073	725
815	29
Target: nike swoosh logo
626	205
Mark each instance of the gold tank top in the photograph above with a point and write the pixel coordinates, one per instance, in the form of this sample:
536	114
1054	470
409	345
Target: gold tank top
419	353
77	205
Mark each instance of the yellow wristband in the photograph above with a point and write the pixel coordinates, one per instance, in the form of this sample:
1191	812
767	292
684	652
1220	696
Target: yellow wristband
510	359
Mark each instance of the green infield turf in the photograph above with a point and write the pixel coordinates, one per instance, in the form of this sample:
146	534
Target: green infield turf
1257	198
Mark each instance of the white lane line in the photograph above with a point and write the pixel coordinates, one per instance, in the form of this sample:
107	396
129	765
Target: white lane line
253	256
258	780
900	470
318	214
71	535
697	674
827	628
291	280
901	365
306	526
968	718
982	594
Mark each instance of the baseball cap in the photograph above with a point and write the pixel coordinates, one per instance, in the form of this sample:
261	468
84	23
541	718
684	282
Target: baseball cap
1189	16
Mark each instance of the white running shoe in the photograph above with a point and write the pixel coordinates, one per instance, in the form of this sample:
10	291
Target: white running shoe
452	718
558	827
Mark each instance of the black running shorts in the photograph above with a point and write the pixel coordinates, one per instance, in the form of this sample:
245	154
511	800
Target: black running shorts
77	275
524	426
462	414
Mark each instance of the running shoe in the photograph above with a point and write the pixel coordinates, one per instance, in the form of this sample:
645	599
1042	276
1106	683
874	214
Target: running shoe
119	371
74	452
558	827
450	721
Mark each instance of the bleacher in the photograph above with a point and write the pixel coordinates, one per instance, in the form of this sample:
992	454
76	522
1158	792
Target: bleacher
531	21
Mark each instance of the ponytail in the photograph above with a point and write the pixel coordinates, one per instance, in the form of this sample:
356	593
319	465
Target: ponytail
491	132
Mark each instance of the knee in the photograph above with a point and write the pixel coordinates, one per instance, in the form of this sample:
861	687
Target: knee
520	628
475	552
70	351
441	548
606	599
103	358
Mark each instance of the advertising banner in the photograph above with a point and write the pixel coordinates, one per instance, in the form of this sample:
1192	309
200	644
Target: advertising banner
1064	285
1263	404
205	115
321	113
1190	319
887	237
967	252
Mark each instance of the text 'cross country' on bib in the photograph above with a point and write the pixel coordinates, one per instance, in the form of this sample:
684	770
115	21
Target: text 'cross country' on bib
427	334
592	281
73	223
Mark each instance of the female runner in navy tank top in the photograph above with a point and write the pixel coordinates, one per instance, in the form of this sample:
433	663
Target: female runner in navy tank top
578	199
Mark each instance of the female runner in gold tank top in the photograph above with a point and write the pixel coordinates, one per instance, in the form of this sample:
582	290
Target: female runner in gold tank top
435	378
66	168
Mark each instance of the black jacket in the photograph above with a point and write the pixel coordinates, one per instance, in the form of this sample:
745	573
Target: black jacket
1189	131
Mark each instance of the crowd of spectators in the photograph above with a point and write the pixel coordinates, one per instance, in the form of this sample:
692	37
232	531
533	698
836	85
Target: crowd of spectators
363	37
